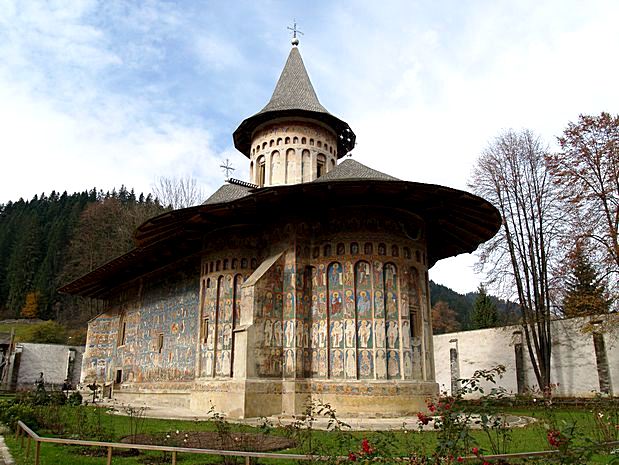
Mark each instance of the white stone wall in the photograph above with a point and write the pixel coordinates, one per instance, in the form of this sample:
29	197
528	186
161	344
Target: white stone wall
574	368
51	359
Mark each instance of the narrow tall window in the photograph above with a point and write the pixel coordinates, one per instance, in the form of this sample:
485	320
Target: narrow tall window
160	343
320	165
122	331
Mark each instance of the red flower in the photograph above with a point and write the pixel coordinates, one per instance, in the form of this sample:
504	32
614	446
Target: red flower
486	463
432	408
555	438
365	445
423	418
475	451
352	457
460	459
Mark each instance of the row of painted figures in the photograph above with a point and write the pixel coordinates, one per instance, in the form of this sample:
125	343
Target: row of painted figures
296	333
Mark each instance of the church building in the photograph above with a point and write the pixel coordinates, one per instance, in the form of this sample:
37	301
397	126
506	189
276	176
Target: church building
310	281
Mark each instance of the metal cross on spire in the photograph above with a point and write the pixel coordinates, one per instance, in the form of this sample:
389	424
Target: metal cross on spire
295	31
227	167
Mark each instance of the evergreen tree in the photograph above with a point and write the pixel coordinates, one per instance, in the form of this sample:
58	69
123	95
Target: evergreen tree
585	291
484	313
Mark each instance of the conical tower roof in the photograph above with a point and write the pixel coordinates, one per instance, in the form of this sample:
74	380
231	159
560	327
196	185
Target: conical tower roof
294	95
294	90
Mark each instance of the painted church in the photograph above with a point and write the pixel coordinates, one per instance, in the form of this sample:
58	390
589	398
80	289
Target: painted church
310	281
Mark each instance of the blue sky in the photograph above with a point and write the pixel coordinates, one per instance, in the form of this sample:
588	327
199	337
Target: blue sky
104	93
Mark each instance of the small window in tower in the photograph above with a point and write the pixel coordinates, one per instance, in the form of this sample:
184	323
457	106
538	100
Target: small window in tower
303	140
234	263
311	141
319	144
243	263
395	251
264	145
211	267
279	141
225	263
160	343
368	249
287	140
407	252
271	142
295	140
320	165
261	174
217	265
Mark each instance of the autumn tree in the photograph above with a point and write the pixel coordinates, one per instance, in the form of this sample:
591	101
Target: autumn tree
585	290
485	314
587	171
512	174
444	318
178	192
31	307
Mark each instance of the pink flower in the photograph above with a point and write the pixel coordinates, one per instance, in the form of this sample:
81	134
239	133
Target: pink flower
352	457
365	445
475	451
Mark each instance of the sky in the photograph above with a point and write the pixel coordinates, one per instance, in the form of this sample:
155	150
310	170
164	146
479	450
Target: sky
109	93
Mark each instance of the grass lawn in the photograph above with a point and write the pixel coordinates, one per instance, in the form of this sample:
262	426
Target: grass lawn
22	330
393	443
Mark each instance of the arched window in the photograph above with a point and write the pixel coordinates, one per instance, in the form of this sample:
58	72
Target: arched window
279	141
341	249
327	250
234	263
295	140
217	265
319	144
407	252
243	263
287	140
225	263
395	251
368	248
211	267
382	249
261	174
321	162
271	142
264	145
303	140
354	248
311	141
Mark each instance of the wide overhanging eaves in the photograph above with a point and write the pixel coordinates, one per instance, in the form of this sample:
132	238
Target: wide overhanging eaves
456	222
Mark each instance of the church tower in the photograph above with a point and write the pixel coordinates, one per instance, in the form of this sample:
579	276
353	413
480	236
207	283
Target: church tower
293	139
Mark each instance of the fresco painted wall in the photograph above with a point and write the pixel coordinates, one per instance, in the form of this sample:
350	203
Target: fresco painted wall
151	339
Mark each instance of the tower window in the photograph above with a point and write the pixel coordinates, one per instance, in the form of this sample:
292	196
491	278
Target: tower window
321	163
261	172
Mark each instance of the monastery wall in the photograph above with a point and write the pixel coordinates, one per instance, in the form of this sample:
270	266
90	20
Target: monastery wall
150	338
575	358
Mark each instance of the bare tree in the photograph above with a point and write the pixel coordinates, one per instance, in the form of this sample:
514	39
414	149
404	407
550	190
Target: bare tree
587	170
178	192
512	174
